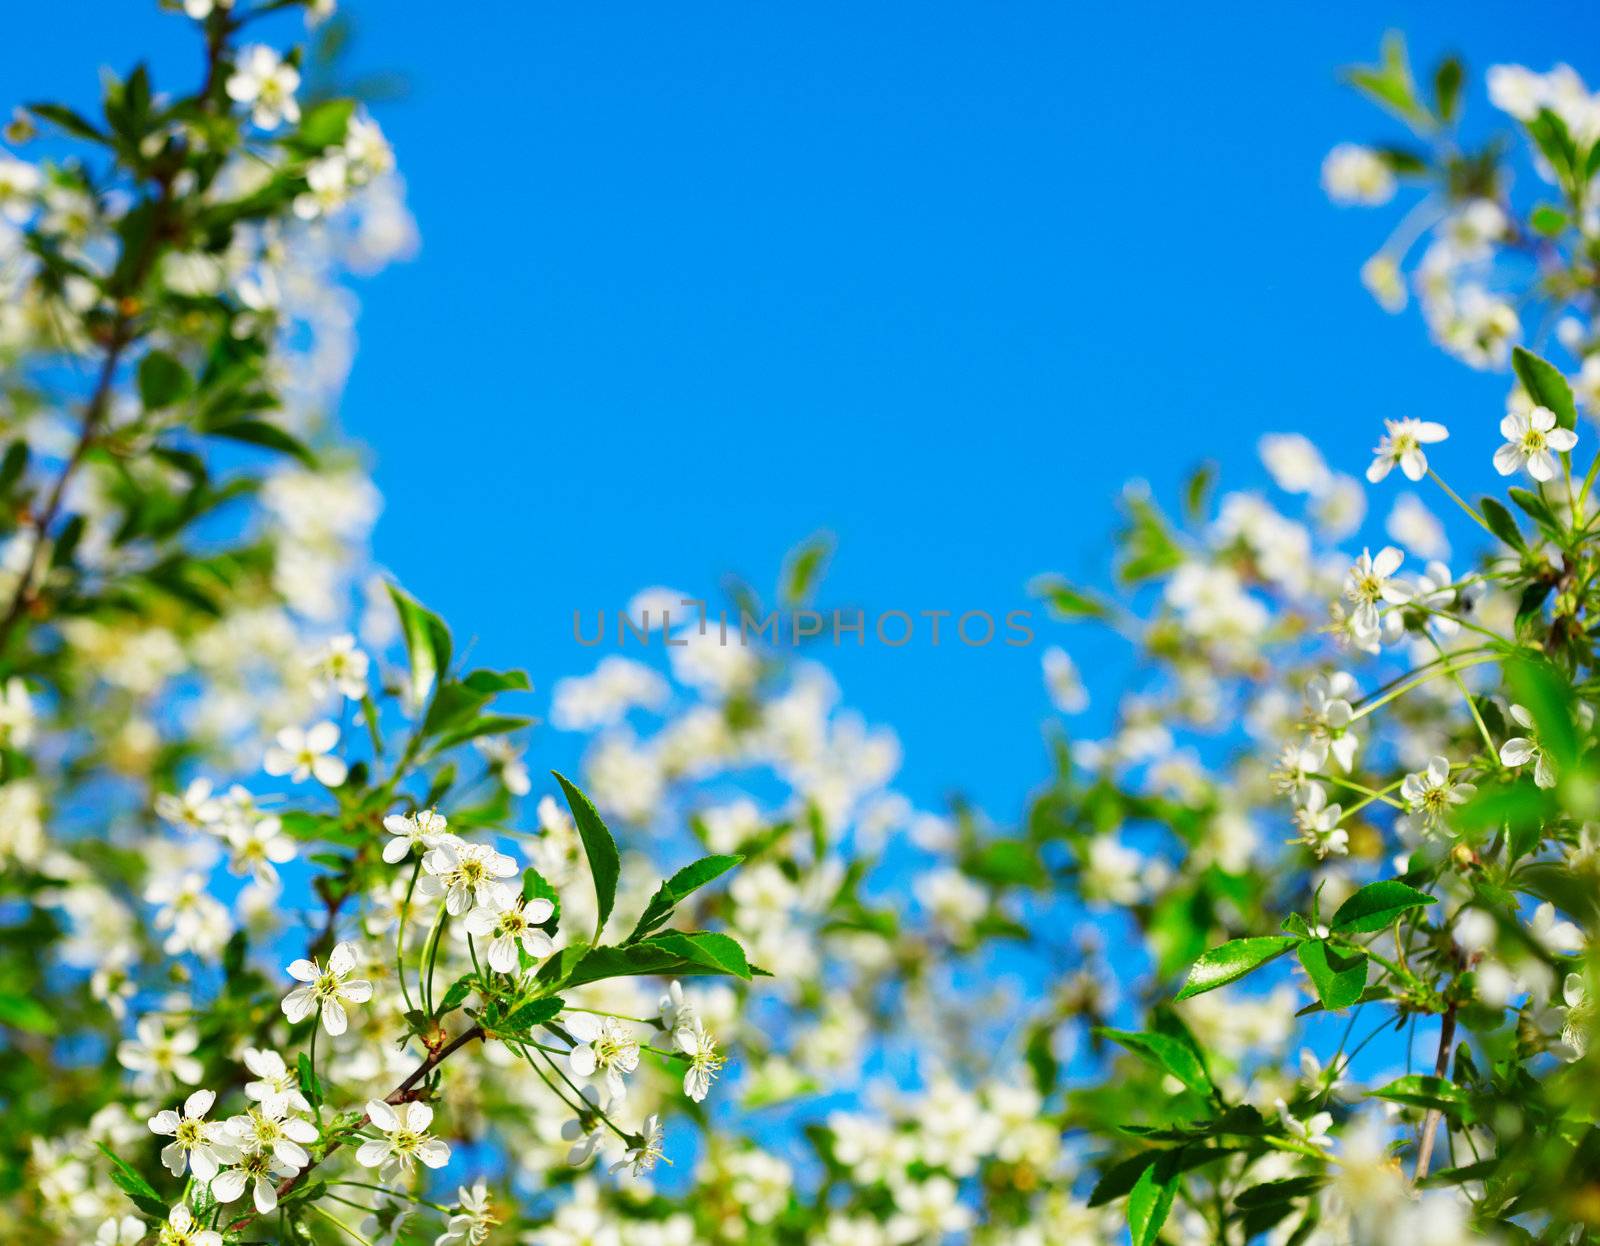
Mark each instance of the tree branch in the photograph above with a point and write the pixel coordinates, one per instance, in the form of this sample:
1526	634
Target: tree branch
1430	1122
398	1095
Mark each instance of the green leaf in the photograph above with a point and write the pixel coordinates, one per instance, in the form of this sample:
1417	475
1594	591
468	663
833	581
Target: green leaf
1535	508
1545	385
1166	1052
309	1085
536	887
1039	1052
1338	976
1550	134
1197	491
671	954
1447	88
162	380
803	569
21	1013
487	682
1376	905
1502	524
1479	1171
128	1180
1067	601
1150	1200
264	434
601	849
1423	1091
489	724
1271	1192
1549	220
1149	548
535	1012
457	994
326	124
71	122
1389	83
1542	691
673	892
1232	961
427	642
718	952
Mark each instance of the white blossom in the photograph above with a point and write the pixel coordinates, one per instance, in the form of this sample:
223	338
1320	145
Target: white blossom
704	1060
1355	174
1530	438
405	1139
302	754
1402	446
327	991
1519	750
182	1229
511	928
466	875
412	832
263	81
605	1049
197	1145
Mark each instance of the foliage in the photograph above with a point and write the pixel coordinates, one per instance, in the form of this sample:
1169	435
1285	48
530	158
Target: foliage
1346	810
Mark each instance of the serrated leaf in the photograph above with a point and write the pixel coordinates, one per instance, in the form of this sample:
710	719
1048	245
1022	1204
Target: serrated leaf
128	1180
457	994
309	1085
674	890
1422	1090
535	1012
1545	385
1535	508
599	846
670	954
1502	524
427	642
1282	1191
1232	961
718	952
1166	1052
1150	1200
1338	976
1376	905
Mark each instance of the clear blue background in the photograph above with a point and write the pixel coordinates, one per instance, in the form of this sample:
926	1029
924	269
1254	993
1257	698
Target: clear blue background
697	280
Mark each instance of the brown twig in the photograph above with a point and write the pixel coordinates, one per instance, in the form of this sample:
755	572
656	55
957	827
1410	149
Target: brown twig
119	338
1430	1122
399	1094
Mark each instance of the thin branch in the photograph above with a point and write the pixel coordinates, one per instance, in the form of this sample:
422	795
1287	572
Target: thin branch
395	1096
1430	1122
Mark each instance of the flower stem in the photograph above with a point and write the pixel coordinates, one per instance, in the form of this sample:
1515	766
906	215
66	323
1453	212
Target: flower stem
1456	498
400	936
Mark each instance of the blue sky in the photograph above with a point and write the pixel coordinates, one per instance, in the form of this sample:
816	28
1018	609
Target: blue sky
699	280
